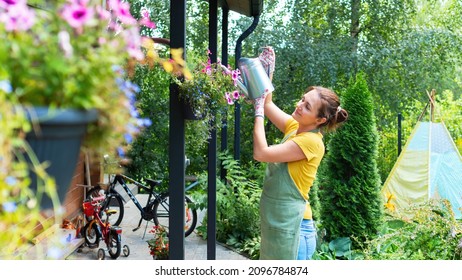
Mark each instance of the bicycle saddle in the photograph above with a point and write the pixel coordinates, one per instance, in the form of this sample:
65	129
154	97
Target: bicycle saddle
153	183
110	211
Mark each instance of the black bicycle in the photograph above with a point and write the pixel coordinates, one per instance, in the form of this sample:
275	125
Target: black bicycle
157	205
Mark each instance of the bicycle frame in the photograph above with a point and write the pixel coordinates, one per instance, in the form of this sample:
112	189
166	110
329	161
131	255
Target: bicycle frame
120	178
157	203
104	227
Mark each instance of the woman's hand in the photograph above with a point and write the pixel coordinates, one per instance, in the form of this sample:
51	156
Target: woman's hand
259	105
268	60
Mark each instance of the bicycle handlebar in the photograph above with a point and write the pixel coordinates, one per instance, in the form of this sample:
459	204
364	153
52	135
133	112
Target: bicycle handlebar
97	199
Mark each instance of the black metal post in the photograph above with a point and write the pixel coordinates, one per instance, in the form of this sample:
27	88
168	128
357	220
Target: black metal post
400	118
237	108
212	147
177	139
224	61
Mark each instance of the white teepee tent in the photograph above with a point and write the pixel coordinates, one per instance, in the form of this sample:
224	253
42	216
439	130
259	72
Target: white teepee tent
430	166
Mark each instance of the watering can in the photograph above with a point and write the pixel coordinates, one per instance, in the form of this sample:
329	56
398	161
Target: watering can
255	79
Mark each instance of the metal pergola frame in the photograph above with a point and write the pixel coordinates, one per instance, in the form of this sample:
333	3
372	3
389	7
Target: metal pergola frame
251	8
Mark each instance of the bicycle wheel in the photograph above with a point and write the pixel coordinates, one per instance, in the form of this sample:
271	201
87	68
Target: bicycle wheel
91	193
91	234
113	202
113	246
161	211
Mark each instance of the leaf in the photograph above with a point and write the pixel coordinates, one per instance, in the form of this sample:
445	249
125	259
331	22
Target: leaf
341	246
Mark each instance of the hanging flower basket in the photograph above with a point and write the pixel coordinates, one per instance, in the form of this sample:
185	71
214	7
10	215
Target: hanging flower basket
191	112
56	138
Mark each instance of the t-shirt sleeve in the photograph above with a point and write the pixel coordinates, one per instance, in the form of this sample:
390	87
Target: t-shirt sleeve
310	143
291	124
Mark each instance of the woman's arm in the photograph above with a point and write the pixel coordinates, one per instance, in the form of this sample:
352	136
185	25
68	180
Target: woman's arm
286	152
278	117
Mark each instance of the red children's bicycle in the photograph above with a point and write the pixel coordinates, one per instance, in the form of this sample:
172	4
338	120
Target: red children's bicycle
97	229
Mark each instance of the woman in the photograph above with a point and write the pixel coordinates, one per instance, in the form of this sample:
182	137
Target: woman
287	228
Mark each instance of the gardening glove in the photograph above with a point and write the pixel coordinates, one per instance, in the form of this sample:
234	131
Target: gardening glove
259	105
268	60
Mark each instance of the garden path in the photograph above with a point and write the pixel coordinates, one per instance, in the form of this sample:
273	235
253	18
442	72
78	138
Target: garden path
195	246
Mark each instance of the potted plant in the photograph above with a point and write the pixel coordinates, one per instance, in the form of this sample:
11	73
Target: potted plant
210	88
159	244
58	57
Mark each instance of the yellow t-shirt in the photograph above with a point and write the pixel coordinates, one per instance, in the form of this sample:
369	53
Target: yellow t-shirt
304	171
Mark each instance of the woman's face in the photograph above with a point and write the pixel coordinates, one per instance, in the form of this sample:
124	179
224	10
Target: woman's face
307	109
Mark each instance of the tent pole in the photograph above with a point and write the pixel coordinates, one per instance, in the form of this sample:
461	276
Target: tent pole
432	105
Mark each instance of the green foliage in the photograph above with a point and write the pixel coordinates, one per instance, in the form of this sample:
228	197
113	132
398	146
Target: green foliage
406	48
210	89
238	219
159	244
349	181
339	248
432	233
448	111
20	211
150	145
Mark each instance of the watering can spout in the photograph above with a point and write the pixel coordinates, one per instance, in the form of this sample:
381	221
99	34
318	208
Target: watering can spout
240	84
242	87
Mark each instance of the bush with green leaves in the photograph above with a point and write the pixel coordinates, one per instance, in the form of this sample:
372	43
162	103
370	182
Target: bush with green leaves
349	183
238	202
431	233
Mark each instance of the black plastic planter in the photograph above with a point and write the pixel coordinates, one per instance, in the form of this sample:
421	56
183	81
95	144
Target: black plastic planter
56	138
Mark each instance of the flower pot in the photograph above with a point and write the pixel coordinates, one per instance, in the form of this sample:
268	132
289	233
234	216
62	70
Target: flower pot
56	138
190	113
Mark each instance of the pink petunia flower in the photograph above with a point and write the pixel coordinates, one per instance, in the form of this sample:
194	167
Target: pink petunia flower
77	14
121	10
146	19
17	17
103	14
236	94
229	100
133	40
5	4
235	76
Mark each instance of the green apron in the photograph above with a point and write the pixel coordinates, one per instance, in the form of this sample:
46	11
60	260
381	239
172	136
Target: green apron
281	212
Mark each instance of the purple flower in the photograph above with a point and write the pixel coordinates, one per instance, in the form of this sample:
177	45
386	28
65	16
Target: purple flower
121	152
133	40
122	11
9	3
103	14
145	122
77	14
236	94
128	138
134	113
229	100
146	19
17	17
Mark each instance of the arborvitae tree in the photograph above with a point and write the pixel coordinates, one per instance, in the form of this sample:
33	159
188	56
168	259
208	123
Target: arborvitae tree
349	182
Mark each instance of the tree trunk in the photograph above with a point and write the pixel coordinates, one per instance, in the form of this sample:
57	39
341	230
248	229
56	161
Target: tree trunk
354	31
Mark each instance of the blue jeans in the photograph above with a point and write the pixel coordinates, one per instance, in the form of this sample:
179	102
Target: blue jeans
307	244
